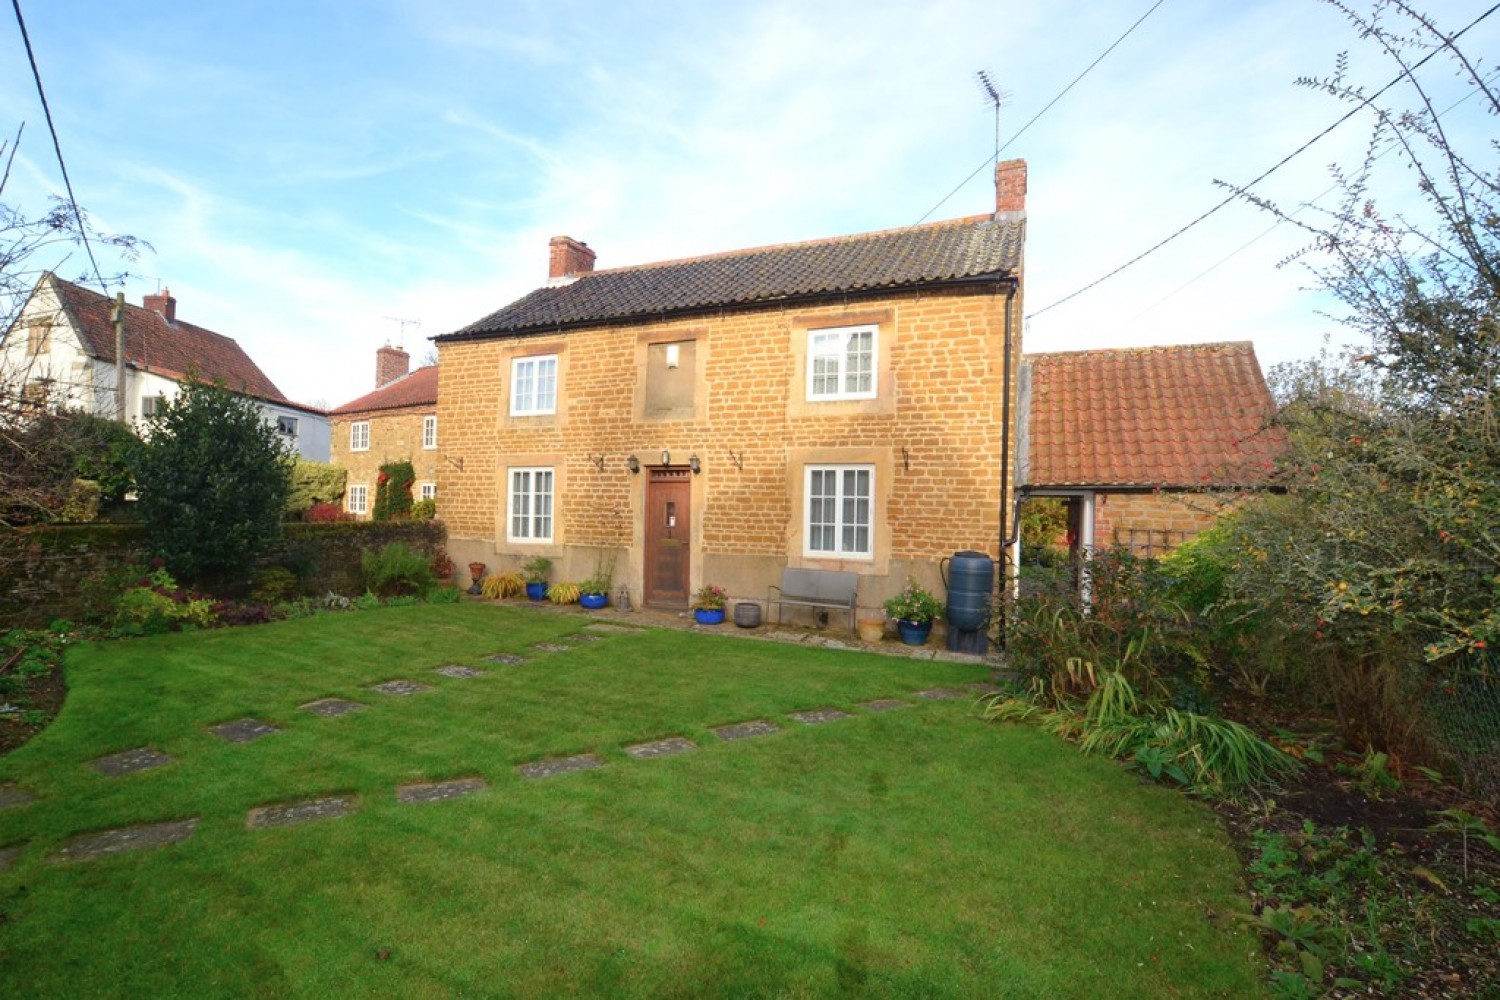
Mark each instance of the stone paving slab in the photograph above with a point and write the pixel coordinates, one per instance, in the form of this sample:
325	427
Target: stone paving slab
585	637
661	748
983	687
8	856
884	705
818	716
745	730
608	629
438	791
330	707
242	730
130	761
400	688
509	659
130	838
306	811
550	647
560	765
939	694
14	796
793	637
454	670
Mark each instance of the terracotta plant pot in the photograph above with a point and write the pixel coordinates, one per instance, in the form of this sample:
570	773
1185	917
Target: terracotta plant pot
872	629
476	575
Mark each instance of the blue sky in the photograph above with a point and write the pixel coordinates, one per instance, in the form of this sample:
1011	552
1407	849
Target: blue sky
306	170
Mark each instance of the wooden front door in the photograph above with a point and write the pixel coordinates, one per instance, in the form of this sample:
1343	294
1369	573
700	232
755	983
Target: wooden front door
669	532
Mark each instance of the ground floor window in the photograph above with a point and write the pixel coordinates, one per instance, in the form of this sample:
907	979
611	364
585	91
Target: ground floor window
359	499
427	491
840	509
530	505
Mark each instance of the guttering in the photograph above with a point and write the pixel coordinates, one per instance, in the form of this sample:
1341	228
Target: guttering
1012	286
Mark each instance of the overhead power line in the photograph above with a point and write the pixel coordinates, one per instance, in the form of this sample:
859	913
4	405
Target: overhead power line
57	146
1061	94
1404	74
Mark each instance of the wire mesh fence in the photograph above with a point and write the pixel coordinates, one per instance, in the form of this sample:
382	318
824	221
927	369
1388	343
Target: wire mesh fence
1466	728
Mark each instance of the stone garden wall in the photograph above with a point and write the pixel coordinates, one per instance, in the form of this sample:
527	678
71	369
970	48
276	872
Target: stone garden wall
75	571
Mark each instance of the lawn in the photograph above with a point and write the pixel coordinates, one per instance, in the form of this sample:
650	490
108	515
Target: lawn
914	852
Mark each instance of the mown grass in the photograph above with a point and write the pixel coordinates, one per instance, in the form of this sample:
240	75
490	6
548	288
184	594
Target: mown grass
914	853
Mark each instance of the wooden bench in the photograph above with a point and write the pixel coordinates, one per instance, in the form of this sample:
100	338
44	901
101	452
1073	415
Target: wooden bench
829	590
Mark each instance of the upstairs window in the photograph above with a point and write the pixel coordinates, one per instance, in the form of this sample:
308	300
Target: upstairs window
286	425
150	404
841	363
533	386
840	510
429	432
359	436
38	336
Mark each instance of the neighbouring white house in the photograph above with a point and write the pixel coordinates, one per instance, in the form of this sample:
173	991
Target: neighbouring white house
60	353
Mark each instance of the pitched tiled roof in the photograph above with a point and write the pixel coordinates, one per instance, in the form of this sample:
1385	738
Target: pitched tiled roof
419	388
1184	416
964	249
172	349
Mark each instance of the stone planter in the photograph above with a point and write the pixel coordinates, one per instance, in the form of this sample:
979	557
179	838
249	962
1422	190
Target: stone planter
872	629
747	614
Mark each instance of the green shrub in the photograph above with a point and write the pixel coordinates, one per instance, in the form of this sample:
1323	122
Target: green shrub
83	502
156	604
393	492
444	595
424	510
213	481
273	584
315	482
395	569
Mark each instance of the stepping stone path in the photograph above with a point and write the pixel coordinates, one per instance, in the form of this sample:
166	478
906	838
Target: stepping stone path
661	748
745	730
400	689
454	670
130	761
608	629
509	659
8	856
819	715
560	765
306	811
330	707
550	647
983	687
13	796
129	838
940	694
883	705
585	637
242	730
439	791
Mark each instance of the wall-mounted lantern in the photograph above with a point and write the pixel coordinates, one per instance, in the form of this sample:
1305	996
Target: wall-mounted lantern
695	465
666	458
634	465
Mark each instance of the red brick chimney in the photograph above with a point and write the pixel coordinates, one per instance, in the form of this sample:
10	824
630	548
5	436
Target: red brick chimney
162	304
569	258
1010	186
390	364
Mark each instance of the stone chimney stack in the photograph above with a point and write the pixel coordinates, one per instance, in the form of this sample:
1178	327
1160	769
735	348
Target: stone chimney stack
162	304
390	364
1010	186
569	258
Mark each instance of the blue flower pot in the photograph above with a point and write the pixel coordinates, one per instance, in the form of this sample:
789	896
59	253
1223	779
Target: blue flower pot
913	633
536	591
593	601
705	616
